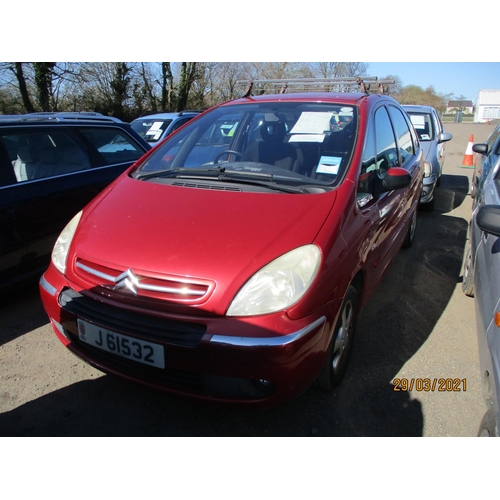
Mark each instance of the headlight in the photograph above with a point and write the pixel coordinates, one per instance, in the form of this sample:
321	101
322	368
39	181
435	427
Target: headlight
60	251
427	169
278	285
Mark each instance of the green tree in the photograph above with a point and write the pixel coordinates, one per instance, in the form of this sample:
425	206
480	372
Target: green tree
43	81
119	86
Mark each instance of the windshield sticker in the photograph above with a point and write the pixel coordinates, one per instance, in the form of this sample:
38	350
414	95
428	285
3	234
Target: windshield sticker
418	121
155	130
312	123
329	165
307	138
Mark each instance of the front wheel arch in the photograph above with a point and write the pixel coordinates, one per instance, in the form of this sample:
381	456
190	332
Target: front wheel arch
341	343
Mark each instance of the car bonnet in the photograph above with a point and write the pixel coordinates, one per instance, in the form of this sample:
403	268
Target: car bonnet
224	237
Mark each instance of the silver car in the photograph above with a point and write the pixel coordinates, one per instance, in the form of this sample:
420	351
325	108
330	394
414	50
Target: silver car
488	153
481	280
432	137
155	127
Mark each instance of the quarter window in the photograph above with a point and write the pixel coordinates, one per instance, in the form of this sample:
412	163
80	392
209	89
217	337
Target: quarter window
113	145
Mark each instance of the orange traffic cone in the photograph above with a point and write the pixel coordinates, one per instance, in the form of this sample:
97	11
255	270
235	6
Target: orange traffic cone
468	160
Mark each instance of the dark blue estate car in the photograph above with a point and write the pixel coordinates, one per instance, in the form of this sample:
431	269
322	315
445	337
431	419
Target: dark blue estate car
51	166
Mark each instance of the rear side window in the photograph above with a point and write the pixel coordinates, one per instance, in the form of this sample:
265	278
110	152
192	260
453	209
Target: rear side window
35	154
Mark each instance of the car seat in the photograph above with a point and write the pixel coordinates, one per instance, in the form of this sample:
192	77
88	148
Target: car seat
26	164
271	148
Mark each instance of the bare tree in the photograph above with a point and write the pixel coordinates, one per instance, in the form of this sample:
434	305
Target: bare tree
18	71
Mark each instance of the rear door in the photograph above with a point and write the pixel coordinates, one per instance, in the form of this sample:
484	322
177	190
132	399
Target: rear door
58	170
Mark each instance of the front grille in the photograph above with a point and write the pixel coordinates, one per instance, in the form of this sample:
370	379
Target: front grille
147	327
130	283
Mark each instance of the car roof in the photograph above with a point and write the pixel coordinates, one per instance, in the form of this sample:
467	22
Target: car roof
54	117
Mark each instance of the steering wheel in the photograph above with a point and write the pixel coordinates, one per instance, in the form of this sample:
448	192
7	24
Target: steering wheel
233	152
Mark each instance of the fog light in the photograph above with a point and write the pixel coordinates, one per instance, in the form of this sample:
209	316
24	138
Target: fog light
264	385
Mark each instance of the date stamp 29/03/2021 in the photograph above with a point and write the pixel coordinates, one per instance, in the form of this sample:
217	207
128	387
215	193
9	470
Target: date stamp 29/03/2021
430	384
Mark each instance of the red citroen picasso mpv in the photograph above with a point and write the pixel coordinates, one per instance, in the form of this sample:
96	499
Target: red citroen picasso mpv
230	262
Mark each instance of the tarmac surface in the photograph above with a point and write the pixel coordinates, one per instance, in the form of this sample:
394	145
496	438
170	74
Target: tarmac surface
418	328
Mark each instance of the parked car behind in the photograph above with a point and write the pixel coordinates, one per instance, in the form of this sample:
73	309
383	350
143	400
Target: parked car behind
481	279
231	262
51	166
488	154
432	137
155	127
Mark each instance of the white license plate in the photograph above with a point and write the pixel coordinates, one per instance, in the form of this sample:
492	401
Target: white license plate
122	345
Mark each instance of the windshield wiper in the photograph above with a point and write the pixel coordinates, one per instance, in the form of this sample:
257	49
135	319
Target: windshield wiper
222	175
178	172
257	179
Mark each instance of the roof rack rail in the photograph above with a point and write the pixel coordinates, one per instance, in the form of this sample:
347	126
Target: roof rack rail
341	84
61	116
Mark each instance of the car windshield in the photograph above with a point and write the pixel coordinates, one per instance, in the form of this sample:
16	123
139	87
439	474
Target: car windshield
150	129
422	122
287	143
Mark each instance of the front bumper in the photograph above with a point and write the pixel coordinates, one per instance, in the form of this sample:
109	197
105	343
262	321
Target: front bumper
259	361
428	188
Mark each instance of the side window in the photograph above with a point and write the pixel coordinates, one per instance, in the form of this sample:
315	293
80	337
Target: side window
7	176
179	123
114	145
494	142
387	153
379	154
413	131
439	124
37	155
493	138
404	136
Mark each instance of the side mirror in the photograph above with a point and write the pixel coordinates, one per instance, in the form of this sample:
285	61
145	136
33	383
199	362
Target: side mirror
488	219
480	148
396	178
444	137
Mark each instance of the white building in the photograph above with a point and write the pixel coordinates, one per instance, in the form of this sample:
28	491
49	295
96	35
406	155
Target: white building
487	106
465	106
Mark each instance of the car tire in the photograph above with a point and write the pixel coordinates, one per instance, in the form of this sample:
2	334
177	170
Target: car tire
428	207
410	235
339	350
488	426
468	274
